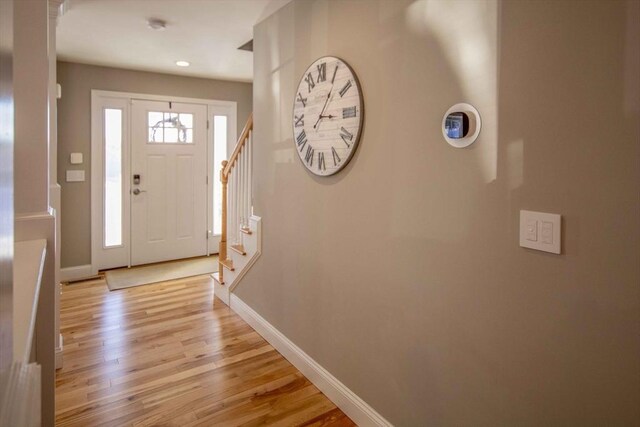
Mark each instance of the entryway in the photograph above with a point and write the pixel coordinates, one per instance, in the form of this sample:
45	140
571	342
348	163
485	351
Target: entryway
169	181
155	177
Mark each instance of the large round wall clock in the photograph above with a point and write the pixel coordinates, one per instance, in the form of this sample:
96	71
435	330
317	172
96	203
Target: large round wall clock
327	116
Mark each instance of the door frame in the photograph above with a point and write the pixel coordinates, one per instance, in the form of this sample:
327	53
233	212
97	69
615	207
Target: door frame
101	257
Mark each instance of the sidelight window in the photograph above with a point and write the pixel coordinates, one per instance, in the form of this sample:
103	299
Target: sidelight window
113	177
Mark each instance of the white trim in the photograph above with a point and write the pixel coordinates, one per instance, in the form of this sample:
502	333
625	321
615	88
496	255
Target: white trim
71	274
34	216
116	256
99	257
257	230
162	98
352	405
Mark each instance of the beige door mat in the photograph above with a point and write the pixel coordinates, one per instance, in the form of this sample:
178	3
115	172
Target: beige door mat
122	278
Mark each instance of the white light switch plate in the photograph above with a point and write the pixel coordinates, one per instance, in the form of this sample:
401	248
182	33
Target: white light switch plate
76	158
541	231
75	175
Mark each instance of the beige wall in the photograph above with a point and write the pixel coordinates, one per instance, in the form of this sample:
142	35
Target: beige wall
31	89
74	133
402	275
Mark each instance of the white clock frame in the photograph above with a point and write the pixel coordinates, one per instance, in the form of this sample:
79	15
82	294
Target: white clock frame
326	143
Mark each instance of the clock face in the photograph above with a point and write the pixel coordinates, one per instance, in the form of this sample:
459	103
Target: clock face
327	116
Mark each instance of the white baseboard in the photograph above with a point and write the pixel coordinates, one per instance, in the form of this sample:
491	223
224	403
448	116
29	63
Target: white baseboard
70	274
352	405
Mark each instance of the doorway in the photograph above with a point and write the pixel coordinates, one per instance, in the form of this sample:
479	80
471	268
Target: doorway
155	171
169	181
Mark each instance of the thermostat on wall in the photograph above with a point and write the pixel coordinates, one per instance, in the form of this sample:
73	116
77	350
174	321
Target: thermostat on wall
461	125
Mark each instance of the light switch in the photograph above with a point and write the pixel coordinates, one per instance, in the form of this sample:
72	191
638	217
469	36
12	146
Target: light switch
547	232
76	158
75	175
541	231
532	230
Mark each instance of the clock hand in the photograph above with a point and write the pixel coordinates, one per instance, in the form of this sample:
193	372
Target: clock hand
324	117
323	107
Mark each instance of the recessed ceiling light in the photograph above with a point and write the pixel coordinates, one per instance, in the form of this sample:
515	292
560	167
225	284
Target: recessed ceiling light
156	24
183	63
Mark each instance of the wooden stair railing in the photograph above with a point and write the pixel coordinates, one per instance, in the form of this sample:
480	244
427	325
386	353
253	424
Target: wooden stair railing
236	206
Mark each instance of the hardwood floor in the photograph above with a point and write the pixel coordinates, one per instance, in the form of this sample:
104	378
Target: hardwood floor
163	354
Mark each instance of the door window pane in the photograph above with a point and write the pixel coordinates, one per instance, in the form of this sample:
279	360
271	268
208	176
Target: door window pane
112	177
219	154
171	128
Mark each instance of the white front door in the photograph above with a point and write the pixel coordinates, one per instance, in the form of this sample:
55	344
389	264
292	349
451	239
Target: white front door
168	181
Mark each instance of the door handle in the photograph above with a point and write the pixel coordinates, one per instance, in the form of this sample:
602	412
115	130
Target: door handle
137	191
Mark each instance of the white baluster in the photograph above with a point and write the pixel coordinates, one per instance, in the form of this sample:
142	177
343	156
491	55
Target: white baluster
241	191
236	221
242	187
235	202
249	168
246	183
238	198
229	205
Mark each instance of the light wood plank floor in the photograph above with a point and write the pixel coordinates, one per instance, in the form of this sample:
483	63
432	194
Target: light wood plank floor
164	354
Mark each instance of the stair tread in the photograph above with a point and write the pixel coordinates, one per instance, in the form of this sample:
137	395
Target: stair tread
239	249
216	277
245	230
227	263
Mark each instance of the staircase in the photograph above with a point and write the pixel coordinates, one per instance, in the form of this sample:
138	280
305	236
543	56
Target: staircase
240	242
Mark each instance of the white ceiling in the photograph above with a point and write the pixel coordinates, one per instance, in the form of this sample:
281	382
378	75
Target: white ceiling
207	33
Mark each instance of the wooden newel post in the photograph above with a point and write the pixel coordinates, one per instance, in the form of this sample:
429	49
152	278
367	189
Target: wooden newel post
222	249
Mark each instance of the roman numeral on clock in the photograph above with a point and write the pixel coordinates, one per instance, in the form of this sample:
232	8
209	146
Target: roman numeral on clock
299	121
335	156
345	88
322	72
348	112
308	157
335	70
310	82
346	135
303	100
321	165
301	139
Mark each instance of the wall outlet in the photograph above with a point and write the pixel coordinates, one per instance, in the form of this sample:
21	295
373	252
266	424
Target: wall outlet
540	231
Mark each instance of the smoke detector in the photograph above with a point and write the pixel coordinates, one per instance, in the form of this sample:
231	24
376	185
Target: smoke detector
157	24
